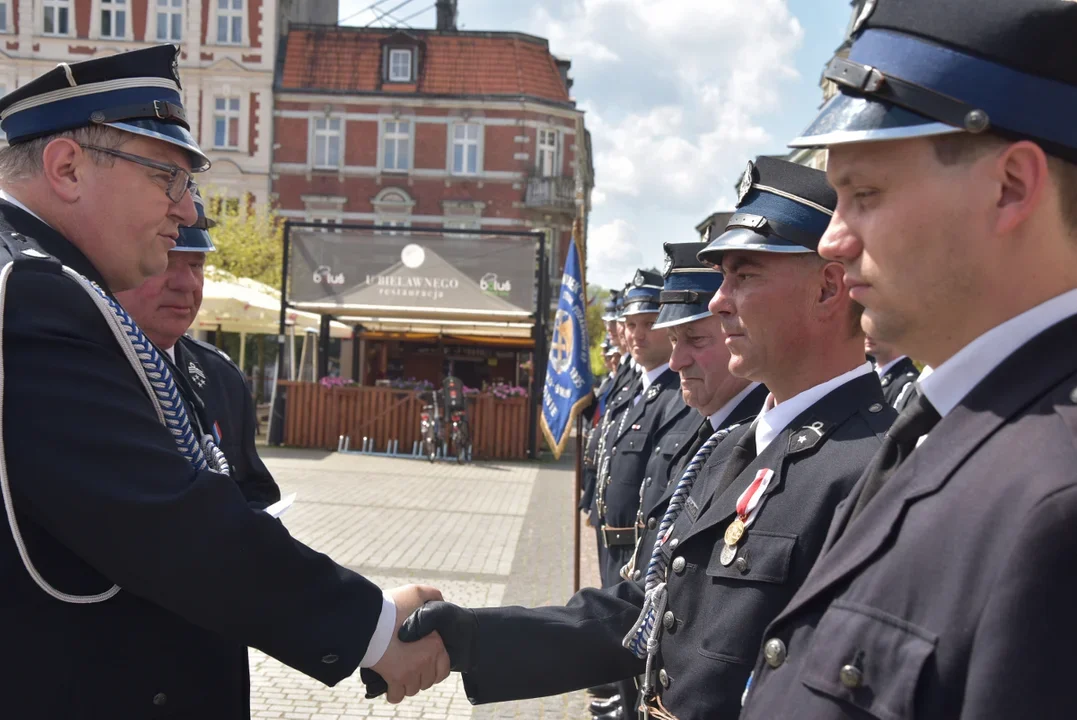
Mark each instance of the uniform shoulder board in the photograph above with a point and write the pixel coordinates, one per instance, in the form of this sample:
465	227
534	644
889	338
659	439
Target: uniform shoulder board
25	252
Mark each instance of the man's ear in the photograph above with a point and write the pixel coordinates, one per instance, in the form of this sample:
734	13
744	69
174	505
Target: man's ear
1022	174
64	164
832	290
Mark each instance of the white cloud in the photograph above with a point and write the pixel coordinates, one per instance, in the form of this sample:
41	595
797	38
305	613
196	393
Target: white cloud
613	253
676	96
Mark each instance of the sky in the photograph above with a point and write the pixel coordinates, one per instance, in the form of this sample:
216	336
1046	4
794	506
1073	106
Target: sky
678	95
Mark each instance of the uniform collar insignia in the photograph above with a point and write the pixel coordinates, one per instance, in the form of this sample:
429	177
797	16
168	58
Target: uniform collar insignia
807	437
652	392
196	373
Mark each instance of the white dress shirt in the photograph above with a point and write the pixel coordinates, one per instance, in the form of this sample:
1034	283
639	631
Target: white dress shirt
723	413
647	379
883	369
774	418
948	384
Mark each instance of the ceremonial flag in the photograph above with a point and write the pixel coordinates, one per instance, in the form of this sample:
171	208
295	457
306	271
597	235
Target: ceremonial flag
568	373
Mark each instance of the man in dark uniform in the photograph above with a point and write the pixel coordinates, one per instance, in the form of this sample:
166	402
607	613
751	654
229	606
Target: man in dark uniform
945	589
896	371
590	459
637	433
741	534
131	568
701	359
165	307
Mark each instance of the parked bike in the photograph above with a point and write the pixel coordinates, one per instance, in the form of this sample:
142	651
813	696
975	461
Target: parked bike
430	426
456	409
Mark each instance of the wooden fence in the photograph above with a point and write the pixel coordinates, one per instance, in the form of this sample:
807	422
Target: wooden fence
316	417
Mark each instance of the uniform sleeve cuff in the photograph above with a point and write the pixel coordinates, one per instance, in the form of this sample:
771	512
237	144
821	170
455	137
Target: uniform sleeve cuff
383	633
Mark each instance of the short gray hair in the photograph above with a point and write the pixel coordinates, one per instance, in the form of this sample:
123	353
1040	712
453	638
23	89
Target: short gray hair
23	161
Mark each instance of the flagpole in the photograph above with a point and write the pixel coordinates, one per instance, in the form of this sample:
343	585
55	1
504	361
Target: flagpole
577	238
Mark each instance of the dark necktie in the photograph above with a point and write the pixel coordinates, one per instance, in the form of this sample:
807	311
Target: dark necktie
916	420
742	456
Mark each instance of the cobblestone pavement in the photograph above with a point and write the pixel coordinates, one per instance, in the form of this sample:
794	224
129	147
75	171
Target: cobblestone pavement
485	534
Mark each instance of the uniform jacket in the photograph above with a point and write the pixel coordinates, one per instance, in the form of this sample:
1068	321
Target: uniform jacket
656	495
896	378
102	496
718	613
634	438
590	457
222	389
620	399
952	594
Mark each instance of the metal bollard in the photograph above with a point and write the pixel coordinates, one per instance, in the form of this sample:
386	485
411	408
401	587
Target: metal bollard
366	441
347	443
340	443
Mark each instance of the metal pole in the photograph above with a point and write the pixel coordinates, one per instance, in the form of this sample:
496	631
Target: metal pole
323	347
275	433
538	364
577	490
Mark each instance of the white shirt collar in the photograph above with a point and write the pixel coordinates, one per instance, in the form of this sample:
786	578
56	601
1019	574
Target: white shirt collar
950	382
883	369
773	419
5	195
649	376
171	353
718	418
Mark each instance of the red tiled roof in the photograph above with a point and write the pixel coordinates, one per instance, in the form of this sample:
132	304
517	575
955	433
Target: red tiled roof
341	59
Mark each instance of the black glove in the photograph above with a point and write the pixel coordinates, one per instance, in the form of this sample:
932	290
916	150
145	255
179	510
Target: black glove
458	628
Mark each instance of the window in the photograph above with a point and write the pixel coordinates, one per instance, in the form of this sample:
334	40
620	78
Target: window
226	123
396	145
547	157
392	207
113	18
230	22
169	20
3	17
3	92
400	66
465	148
327	142
57	14
391	221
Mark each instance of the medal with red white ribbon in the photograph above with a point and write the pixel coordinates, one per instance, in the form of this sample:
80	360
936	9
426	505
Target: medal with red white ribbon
748	505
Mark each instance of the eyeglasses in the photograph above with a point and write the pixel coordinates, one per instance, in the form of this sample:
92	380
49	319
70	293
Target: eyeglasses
179	180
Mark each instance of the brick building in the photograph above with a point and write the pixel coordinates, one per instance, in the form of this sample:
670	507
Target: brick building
228	52
428	128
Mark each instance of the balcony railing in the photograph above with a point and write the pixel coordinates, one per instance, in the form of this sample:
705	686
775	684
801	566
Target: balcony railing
553	194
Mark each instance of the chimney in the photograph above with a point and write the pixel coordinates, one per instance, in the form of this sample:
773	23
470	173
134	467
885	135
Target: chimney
446	15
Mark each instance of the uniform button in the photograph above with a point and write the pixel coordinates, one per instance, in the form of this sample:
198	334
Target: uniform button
647	482
678	565
774	652
160	699
674	543
330	659
668	621
657	450
875	407
663	677
851	676
742	566
1073	395
652	523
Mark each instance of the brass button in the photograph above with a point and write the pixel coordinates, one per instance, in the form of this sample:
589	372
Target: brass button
674	543
663	677
160	699
668	621
652	523
774	652
678	565
875	407
851	676
742	566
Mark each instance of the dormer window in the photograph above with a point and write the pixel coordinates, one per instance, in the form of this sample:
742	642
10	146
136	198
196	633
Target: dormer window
400	65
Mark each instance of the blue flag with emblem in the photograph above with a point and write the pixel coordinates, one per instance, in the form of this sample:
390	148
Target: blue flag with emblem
568	373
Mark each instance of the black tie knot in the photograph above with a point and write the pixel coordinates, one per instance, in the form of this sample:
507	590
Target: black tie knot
916	420
705	430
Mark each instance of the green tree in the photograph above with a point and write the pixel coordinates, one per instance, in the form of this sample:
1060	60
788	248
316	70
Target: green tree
249	237
596	329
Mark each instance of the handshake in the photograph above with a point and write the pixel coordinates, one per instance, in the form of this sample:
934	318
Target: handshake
431	638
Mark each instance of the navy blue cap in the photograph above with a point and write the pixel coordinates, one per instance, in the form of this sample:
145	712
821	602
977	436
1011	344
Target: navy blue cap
688	288
196	237
621	302
642	295
610	313
137	91
783	208
918	68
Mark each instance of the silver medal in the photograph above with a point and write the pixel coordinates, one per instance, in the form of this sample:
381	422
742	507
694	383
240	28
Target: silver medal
729	552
